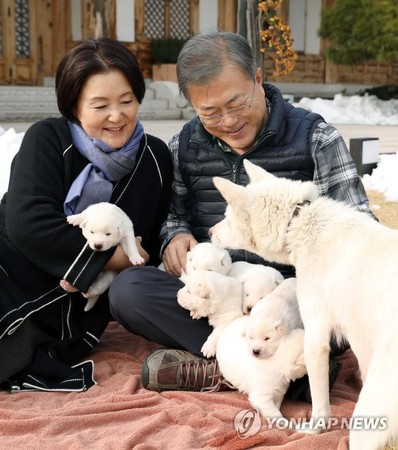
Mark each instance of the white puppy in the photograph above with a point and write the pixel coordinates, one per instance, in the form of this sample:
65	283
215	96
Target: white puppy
273	317
347	284
264	380
257	280
105	225
206	256
215	296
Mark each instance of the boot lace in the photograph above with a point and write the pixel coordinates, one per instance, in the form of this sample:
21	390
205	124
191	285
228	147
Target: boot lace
202	376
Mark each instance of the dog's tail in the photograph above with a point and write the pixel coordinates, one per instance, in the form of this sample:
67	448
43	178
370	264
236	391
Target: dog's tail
375	419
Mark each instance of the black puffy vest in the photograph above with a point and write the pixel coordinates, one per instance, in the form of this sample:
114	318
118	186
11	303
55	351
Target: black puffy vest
284	149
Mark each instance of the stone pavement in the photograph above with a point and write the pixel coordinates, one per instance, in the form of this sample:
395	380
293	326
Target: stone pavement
165	129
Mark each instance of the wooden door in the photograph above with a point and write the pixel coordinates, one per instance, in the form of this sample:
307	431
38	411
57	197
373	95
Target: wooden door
17	42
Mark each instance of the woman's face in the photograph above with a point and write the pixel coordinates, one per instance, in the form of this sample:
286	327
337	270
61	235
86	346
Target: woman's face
107	108
231	92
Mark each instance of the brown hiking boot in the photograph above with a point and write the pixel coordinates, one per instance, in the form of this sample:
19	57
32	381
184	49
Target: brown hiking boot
179	370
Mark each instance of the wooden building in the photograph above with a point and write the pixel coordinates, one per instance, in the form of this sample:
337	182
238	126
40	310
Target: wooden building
34	34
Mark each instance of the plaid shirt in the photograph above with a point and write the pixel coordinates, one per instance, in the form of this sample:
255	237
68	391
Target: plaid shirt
335	175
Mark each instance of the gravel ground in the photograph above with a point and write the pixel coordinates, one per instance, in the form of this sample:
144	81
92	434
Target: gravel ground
386	212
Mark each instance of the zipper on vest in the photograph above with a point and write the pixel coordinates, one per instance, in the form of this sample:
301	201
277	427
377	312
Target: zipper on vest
266	136
242	157
234	172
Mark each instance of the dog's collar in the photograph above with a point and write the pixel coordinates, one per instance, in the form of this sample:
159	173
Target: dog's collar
297	210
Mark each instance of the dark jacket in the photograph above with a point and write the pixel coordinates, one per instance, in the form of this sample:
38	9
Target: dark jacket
38	247
283	148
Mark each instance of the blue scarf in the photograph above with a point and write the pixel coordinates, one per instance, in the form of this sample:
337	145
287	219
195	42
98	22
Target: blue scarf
107	165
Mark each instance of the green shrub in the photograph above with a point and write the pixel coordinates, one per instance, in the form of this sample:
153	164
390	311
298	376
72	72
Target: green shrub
360	31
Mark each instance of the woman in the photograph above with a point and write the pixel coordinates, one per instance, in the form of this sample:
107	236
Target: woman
97	151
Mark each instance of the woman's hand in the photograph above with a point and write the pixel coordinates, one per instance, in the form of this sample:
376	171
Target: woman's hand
66	286
175	254
117	263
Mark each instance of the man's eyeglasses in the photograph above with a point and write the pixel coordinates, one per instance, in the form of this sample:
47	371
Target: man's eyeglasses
217	119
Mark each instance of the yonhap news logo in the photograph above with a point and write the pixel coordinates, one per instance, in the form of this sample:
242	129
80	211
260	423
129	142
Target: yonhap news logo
349	423
248	422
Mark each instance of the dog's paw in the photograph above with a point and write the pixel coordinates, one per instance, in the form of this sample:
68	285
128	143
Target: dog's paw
137	260
208	349
195	315
74	219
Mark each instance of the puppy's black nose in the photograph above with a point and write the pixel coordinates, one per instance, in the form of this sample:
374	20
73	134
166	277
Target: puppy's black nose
256	352
210	232
98	246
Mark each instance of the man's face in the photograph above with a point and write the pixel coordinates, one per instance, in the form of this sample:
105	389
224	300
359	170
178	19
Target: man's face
243	97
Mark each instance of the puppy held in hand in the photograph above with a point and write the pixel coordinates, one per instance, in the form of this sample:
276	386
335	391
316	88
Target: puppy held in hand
105	225
265	381
272	318
206	256
215	296
257	280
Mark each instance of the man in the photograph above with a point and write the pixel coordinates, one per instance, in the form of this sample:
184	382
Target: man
238	117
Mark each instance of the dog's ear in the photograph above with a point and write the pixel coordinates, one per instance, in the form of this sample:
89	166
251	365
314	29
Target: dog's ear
189	256
255	172
281	330
203	290
233	193
119	233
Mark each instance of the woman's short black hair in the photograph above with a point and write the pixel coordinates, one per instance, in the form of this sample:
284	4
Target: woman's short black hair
91	57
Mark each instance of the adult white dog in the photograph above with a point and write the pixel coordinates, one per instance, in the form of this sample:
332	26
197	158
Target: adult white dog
257	280
347	271
215	296
105	225
273	317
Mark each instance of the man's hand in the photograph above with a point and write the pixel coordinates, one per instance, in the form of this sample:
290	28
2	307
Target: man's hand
175	254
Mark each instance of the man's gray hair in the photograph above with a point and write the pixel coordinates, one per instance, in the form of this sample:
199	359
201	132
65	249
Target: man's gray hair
205	55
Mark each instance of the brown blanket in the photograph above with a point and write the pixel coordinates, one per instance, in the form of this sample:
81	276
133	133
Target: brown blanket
119	414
